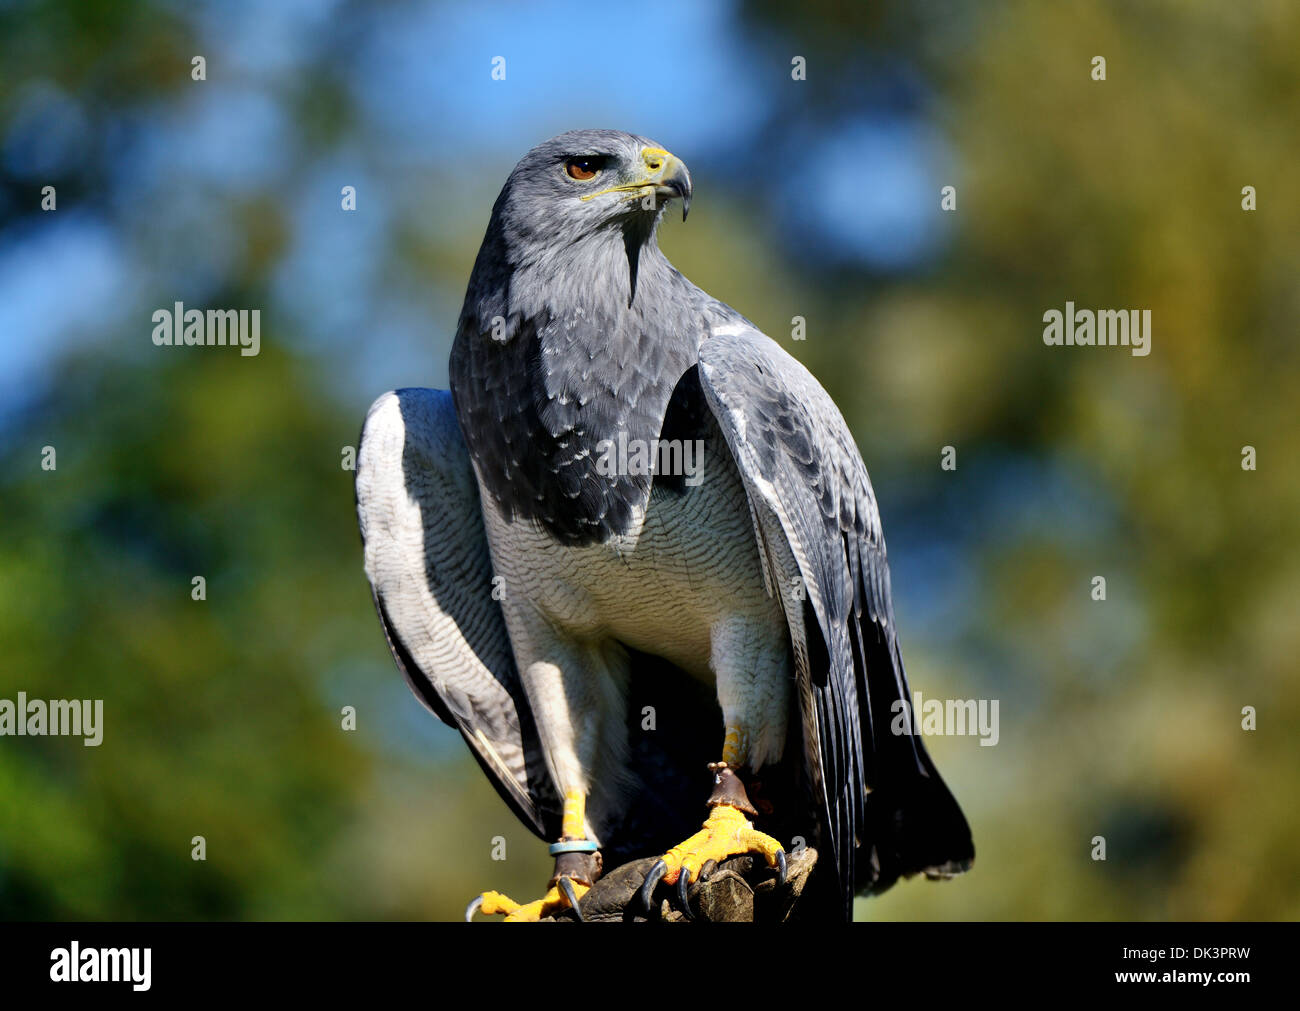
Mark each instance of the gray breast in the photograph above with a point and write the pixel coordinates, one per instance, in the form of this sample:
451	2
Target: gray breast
538	411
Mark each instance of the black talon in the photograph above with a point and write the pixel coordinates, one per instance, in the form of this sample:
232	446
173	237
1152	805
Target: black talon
473	908
780	868
651	882
707	870
566	886
683	883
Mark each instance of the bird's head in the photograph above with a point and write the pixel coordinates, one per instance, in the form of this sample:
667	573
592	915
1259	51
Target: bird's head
574	211
586	180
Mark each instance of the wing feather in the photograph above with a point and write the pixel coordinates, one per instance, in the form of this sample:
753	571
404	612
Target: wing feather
880	795
430	570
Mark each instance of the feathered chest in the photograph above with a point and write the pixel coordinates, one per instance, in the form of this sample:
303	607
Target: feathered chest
559	416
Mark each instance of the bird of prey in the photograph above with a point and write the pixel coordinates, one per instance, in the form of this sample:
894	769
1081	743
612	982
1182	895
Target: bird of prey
635	558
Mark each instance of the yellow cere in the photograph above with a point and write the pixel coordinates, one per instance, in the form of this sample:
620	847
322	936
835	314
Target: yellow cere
656	161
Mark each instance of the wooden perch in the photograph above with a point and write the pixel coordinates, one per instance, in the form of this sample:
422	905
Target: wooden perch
741	890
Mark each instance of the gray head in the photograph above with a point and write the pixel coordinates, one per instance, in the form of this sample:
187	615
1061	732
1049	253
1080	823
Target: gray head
589	179
572	207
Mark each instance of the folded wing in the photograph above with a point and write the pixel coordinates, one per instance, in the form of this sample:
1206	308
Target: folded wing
427	559
885	811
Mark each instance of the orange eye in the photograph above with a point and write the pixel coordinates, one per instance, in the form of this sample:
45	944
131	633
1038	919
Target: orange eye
582	168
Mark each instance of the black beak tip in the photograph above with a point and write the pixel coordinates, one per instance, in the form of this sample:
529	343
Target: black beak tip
682	187
679	183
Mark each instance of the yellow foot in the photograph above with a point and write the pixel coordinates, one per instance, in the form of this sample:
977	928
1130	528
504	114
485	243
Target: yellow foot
726	833
565	894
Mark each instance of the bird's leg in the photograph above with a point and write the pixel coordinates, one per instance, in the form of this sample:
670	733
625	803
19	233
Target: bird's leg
564	678
726	832
577	867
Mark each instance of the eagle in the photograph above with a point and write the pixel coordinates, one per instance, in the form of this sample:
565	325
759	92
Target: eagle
634	557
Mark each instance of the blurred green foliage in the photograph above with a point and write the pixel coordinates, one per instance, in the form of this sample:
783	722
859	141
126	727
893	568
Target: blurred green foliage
1119	719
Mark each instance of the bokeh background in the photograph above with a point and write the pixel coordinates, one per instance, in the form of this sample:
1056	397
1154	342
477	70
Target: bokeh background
816	198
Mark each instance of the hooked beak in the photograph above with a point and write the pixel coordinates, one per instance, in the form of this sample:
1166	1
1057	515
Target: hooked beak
661	172
668	175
